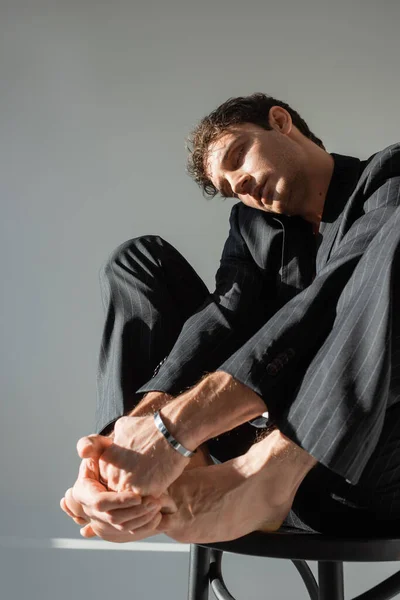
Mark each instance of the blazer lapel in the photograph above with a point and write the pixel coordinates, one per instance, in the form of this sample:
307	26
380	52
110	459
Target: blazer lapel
344	180
297	269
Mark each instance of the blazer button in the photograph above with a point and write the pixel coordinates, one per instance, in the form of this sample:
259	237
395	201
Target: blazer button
159	366
285	357
272	369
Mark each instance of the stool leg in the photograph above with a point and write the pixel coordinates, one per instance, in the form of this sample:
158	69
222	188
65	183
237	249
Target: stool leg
308	578
330	579
199	567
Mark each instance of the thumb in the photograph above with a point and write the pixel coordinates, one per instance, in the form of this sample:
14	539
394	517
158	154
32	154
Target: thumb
93	446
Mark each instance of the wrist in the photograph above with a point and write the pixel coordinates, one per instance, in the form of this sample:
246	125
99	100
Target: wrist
181	429
150	403
172	441
218	403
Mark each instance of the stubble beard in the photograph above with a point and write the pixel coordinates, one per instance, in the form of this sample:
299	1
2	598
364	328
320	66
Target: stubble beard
282	201
295	194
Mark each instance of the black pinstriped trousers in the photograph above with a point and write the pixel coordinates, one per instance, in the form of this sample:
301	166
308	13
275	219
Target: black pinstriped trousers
148	291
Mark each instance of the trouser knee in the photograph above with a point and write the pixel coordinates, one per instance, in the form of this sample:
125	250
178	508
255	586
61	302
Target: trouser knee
144	250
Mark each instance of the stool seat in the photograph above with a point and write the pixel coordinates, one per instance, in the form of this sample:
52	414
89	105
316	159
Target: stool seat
292	543
299	546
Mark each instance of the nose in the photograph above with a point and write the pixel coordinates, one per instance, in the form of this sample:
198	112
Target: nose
241	185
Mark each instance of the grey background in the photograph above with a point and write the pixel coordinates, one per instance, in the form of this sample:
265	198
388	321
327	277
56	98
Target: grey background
96	100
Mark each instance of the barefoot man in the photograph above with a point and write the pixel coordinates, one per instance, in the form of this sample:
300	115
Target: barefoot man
275	398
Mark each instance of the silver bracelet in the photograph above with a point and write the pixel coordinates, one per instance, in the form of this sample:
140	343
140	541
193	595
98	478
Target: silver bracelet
170	439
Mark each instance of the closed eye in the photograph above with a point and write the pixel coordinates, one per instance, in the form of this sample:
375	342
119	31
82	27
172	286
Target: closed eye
239	156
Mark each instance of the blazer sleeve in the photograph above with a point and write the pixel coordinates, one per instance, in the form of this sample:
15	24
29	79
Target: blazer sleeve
243	299
296	344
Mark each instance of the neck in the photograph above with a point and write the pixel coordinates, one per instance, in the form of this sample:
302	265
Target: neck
319	177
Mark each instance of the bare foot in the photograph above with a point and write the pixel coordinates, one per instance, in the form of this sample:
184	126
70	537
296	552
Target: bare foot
216	503
252	492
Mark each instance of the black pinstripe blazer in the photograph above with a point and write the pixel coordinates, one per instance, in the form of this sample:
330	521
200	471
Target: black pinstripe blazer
279	294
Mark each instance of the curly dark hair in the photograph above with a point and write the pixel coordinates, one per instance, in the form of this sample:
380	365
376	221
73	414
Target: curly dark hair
243	109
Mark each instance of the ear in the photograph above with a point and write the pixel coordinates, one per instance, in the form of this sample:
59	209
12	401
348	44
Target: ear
280	119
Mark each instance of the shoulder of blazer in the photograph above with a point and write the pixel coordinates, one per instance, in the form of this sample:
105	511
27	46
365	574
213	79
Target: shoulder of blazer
261	233
380	167
278	243
375	171
253	222
258	227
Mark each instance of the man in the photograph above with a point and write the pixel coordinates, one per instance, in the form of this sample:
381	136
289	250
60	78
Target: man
302	326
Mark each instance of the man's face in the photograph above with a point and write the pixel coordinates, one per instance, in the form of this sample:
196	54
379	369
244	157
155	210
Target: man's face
264	169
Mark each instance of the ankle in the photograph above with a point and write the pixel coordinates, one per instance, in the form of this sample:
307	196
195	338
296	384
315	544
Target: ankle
279	465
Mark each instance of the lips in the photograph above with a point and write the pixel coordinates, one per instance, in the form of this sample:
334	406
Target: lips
263	195
258	191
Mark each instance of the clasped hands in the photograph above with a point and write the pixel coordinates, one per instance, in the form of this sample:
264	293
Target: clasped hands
121	493
193	500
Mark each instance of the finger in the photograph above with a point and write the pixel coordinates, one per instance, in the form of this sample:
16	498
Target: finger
109	501
75	507
79	521
93	446
149	529
96	503
138	522
65	508
116	518
86	492
121	516
89	469
87	531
